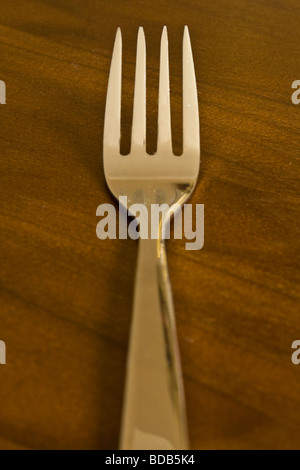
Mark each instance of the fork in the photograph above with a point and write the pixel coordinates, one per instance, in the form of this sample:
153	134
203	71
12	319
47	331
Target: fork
154	416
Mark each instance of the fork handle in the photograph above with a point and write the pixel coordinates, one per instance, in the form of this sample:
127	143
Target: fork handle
154	409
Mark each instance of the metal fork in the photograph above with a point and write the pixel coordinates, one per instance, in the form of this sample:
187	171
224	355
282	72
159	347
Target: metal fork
154	415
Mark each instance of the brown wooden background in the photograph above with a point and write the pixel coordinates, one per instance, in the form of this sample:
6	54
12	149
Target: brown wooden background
65	296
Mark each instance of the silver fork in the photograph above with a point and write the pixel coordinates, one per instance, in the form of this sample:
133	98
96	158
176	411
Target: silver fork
154	415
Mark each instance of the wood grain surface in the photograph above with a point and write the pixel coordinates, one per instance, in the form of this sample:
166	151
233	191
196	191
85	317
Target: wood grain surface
66	297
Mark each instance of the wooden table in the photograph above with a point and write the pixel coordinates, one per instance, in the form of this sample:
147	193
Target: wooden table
66	296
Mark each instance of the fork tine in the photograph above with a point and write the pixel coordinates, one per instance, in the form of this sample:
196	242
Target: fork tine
164	109
138	138
112	122
191	126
